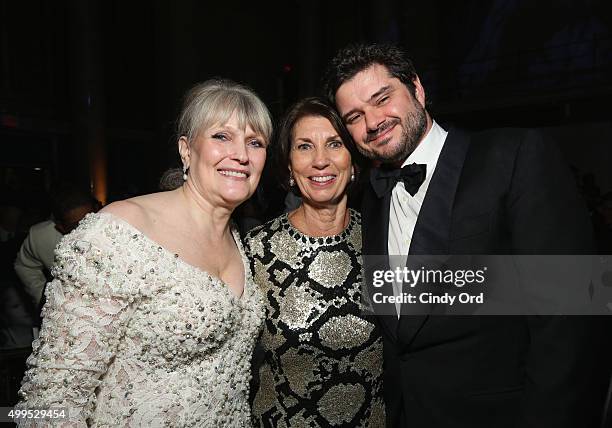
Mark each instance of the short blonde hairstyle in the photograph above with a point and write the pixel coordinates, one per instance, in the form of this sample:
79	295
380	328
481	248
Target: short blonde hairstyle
214	101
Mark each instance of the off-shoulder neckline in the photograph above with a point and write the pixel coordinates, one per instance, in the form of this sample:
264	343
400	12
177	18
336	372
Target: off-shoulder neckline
235	234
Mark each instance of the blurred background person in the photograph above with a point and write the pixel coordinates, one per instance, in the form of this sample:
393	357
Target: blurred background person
16	314
35	258
171	179
9	221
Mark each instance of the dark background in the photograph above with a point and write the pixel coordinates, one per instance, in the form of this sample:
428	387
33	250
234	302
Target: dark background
89	89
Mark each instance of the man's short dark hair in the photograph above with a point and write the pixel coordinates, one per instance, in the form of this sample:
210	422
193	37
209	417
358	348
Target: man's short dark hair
358	57
67	196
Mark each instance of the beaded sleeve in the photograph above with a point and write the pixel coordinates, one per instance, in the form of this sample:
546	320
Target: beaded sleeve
89	303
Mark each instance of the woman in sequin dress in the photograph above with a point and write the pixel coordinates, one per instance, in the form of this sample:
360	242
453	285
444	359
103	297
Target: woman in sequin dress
323	359
145	324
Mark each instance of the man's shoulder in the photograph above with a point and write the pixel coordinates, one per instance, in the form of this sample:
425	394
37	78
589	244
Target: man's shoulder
44	228
491	134
506	142
498	136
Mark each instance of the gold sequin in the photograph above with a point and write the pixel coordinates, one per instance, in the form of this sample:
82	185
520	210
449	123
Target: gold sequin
272	341
281	275
297	306
265	397
261	276
285	248
257	248
368	360
299	421
354	238
341	403
305	337
377	417
330	269
298	370
345	332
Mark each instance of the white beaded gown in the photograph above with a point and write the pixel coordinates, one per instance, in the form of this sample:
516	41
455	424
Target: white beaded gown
134	336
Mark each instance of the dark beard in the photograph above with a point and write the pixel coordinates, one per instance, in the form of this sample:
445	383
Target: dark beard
414	125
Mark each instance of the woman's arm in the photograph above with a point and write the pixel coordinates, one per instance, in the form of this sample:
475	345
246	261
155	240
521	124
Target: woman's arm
84	322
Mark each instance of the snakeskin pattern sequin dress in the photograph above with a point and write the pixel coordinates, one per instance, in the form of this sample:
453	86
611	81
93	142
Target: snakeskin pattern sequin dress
133	336
323	359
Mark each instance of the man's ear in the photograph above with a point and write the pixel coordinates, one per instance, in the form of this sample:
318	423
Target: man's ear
419	91
184	151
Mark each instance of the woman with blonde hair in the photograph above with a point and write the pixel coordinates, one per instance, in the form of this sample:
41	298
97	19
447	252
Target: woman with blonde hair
152	316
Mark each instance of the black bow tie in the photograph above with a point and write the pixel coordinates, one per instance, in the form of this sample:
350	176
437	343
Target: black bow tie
384	180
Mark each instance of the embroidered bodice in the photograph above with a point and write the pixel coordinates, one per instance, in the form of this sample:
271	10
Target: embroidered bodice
134	336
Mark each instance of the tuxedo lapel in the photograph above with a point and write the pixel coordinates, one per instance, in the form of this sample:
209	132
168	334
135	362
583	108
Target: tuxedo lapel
432	230
375	232
375	222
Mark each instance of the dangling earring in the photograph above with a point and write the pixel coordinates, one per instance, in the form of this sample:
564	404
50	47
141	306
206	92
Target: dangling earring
185	169
352	174
291	180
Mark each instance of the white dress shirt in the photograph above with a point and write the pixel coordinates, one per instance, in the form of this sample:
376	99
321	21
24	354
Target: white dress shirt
404	209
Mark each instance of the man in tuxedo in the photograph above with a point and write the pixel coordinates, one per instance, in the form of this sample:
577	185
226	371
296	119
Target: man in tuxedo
492	192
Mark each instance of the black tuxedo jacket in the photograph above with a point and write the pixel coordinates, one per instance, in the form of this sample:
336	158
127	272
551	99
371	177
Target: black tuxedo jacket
495	192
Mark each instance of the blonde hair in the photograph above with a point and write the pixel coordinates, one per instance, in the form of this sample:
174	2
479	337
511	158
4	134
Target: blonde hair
214	101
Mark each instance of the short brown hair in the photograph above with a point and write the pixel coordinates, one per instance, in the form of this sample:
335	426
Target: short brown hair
357	57
307	107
